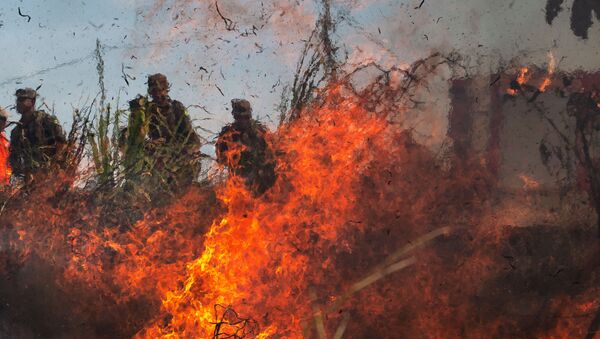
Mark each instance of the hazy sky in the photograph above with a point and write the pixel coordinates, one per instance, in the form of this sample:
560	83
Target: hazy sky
186	40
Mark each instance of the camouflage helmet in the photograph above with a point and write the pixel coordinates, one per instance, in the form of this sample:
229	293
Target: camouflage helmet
241	107
29	93
158	81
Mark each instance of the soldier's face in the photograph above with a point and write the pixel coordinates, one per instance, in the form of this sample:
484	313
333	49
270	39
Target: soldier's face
241	116
159	94
25	105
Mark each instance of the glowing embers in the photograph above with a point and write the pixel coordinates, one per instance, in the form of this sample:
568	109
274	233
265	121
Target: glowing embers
523	76
517	84
527	74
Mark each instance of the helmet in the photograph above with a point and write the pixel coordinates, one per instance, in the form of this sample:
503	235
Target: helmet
26	93
241	107
158	81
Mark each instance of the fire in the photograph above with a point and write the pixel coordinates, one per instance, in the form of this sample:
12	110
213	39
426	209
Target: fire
545	84
5	170
522	79
551	68
262	241
338	244
523	76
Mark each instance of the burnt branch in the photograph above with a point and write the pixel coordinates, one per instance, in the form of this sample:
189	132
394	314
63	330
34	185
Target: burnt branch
23	15
327	27
228	324
229	24
318	63
308	77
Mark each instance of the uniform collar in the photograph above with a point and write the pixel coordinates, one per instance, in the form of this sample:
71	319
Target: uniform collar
34	116
167	104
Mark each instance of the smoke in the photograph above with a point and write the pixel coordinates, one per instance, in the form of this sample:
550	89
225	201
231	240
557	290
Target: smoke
253	47
356	184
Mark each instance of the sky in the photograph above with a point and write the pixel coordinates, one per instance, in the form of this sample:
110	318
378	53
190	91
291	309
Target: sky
208	65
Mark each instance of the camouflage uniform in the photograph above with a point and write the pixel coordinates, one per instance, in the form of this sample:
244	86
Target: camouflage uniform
35	142
171	125
243	148
164	135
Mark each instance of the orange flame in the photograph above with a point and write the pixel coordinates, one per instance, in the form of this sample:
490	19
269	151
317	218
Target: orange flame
260	241
551	68
523	77
547	82
266	267
5	170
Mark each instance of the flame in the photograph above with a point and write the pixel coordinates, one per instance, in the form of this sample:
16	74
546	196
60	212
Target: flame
523	76
551	68
5	169
353	191
545	84
261	241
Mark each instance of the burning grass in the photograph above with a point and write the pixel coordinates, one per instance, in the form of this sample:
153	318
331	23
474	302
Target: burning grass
365	234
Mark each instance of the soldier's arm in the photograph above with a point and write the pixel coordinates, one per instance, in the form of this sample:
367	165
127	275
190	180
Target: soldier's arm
190	133
221	146
268	143
52	131
263	134
55	136
58	132
186	129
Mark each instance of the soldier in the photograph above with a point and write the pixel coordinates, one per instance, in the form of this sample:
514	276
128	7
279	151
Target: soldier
162	131
243	148
5	171
37	142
